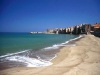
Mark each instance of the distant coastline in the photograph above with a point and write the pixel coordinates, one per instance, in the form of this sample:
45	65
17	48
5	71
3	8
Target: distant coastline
78	29
41	33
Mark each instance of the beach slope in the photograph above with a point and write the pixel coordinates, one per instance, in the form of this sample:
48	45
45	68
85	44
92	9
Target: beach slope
82	59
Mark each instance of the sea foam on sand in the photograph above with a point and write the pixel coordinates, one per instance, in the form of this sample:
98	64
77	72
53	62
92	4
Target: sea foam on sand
31	62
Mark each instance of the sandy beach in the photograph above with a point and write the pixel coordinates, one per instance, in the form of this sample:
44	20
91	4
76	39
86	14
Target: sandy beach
82	59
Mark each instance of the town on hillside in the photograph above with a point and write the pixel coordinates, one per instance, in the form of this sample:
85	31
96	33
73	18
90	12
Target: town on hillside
78	29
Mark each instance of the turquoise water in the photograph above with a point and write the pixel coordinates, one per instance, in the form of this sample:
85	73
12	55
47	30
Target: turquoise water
31	50
15	42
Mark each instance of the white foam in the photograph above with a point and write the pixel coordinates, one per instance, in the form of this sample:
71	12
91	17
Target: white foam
9	54
53	57
63	43
70	40
31	62
74	39
71	45
77	37
56	46
52	47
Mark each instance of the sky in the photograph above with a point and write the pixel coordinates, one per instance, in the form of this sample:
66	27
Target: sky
39	15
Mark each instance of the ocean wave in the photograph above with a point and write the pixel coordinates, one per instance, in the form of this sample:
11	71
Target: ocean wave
77	37
9	54
31	62
56	46
74	39
36	62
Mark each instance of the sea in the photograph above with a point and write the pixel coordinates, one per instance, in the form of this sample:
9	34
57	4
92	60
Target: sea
19	49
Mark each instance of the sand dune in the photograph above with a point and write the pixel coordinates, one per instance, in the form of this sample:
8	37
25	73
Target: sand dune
82	59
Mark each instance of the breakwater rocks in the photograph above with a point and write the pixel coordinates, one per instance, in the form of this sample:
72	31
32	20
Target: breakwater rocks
78	29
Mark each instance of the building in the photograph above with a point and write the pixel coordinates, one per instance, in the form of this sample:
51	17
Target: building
96	27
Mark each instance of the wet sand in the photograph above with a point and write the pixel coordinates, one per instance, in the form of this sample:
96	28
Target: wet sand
82	59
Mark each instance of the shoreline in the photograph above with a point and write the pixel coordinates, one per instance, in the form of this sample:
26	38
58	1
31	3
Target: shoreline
69	43
24	61
81	59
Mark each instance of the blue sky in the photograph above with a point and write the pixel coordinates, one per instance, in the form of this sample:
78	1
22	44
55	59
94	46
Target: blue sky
39	15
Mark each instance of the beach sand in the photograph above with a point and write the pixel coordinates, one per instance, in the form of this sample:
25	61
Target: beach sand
82	59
